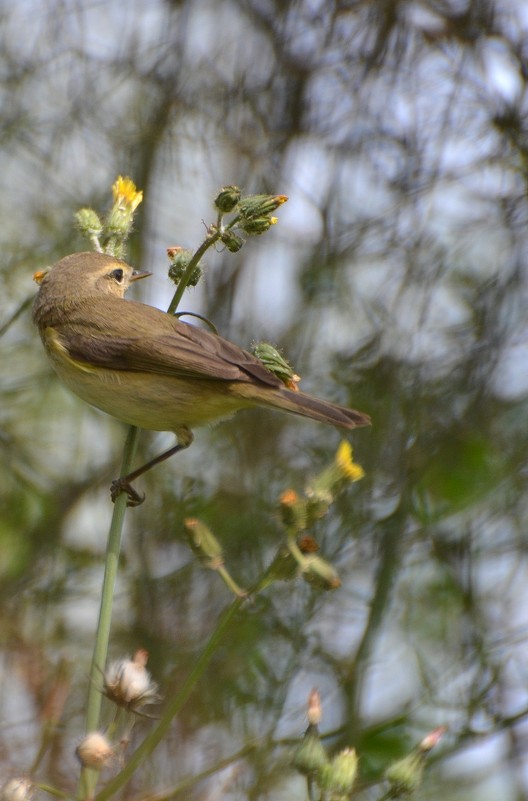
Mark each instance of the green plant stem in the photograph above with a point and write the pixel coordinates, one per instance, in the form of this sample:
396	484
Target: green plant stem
206	244
173	707
93	707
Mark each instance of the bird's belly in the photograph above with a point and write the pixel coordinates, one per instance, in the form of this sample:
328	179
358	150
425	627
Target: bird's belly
150	400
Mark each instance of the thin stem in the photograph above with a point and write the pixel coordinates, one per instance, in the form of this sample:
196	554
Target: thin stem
206	244
93	707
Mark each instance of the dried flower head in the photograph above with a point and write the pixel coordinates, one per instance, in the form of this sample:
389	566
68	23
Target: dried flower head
18	789
94	751
128	683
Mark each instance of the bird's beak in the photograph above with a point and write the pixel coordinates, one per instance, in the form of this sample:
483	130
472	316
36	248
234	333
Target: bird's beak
137	274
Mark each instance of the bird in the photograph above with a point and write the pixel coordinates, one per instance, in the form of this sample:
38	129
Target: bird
146	367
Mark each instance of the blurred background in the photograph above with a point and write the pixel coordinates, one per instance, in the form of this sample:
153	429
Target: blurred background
395	282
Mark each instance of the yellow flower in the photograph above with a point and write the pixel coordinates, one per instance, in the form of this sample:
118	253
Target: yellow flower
125	193
346	465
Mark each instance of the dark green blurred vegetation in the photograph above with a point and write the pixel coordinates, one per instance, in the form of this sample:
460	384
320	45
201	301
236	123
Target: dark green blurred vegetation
395	282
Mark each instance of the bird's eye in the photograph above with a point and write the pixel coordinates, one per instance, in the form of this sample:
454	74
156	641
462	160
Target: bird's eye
118	275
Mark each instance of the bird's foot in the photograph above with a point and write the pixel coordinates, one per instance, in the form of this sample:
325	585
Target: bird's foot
120	485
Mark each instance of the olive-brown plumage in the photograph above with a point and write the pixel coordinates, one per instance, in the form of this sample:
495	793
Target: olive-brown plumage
147	368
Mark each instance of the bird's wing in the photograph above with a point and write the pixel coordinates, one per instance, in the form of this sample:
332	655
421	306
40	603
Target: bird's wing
158	343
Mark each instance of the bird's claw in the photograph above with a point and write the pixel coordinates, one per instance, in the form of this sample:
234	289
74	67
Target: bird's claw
120	485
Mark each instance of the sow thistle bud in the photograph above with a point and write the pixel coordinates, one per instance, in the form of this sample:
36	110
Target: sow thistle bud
432	739
405	776
88	223
315	709
127	682
292	510
338	777
94	751
18	789
310	758
180	259
320	574
227	199
276	364
203	543
232	242
258	225
254	206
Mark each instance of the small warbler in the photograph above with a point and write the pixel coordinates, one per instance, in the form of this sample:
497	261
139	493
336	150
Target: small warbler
146	367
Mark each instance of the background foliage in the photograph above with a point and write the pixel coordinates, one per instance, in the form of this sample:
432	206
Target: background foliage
395	281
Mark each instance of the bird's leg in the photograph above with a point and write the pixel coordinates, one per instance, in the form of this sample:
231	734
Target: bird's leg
124	484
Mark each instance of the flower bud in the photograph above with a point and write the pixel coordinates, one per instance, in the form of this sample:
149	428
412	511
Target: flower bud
39	276
314	708
118	223
405	776
203	543
94	751
88	223
310	758
320	574
232	242
276	364
19	789
227	199
260	206
257	225
338	777
432	739
180	259
317	506
292	510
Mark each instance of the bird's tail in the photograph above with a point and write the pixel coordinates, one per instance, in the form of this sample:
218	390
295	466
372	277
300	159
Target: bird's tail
316	409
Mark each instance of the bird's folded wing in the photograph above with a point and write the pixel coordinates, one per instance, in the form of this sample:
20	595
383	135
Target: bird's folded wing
178	349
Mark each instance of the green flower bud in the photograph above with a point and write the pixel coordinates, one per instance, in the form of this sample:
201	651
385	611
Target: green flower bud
232	242
257	225
88	222
316	508
203	543
119	222
338	777
276	364
254	206
293	510
310	758
227	199
405	776
320	574
179	261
